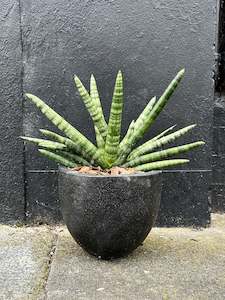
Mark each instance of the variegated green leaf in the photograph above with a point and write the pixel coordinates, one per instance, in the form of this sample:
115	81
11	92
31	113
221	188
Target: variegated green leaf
144	116
114	125
69	144
53	136
157	108
92	104
159	155
127	136
86	148
75	149
44	143
57	158
73	157
163	133
149	145
99	139
158	165
102	126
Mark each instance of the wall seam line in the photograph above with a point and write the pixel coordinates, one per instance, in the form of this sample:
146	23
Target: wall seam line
22	104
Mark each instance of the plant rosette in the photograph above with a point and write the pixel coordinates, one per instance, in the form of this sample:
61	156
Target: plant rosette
110	191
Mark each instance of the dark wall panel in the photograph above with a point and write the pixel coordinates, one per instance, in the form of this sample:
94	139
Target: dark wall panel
42	198
149	40
218	180
190	204
11	148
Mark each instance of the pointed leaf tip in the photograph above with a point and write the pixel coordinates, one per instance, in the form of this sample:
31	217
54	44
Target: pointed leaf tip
181	72
119	74
92	80
27	95
76	79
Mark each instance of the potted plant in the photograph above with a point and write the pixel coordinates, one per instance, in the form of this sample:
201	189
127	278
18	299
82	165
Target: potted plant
110	192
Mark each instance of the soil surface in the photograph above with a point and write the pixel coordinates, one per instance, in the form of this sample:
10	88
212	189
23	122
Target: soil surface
98	171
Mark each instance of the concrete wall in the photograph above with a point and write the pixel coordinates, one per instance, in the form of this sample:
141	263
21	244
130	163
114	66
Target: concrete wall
150	41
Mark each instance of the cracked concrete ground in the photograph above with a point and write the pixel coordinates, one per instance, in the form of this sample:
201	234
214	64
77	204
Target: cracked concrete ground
174	263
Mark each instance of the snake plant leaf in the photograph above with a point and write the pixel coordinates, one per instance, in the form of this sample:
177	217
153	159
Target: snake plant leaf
73	157
44	143
144	116
159	155
161	164
163	133
61	139
157	108
92	104
57	158
74	148
139	122
32	140
99	139
127	135
114	124
149	145
53	136
86	148
95	97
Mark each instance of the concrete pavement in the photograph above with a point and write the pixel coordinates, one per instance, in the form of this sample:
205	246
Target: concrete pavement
174	263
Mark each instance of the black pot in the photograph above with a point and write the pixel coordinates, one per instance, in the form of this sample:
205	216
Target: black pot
109	216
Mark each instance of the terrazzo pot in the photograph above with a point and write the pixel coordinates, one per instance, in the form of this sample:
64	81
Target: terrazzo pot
109	216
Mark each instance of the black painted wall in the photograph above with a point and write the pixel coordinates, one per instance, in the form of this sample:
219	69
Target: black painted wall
150	41
11	118
218	157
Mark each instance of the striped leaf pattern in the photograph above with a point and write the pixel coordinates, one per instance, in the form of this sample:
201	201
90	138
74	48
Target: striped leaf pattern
143	118
92	104
157	108
137	124
86	148
159	155
114	125
53	136
73	157
102	126
99	139
74	149
163	133
127	136
158	165
149	146
44	143
57	158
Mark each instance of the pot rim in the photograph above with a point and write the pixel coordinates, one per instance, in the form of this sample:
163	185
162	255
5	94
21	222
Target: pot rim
68	171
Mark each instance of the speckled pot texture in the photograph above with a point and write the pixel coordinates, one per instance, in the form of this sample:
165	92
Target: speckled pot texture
109	216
